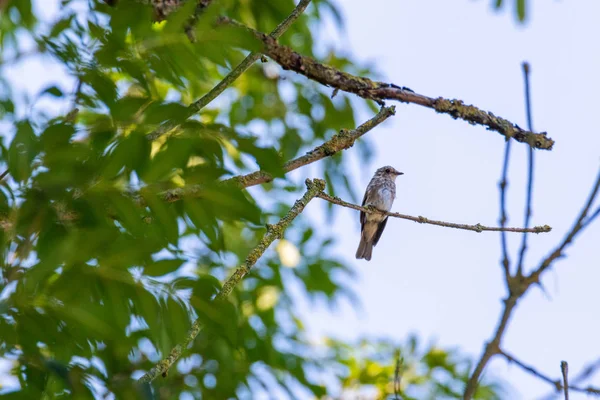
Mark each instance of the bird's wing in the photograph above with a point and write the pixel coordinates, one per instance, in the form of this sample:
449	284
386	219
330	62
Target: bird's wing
380	229
363	215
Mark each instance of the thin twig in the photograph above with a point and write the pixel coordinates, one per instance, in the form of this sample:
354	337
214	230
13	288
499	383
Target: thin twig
313	188
423	220
397	376
518	286
231	76
564	369
503	218
379	91
531	370
579	225
492	347
3	175
340	141
555	383
585	373
528	209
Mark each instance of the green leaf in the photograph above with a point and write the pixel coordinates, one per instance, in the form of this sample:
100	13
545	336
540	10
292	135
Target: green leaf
521	10
161	112
23	149
205	287
60	26
268	159
163	267
54	91
103	86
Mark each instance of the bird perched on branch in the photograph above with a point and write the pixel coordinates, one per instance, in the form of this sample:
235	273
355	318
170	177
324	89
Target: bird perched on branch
380	194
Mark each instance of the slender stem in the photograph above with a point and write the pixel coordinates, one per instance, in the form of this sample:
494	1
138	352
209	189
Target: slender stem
314	187
231	76
423	220
503	218
530	369
556	383
579	225
564	369
518	286
492	348
398	375
528	209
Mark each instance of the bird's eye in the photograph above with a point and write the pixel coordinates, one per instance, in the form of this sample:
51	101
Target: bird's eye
387	170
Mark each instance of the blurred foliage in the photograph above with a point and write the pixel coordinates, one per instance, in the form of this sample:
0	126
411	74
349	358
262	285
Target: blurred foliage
101	276
520	8
385	369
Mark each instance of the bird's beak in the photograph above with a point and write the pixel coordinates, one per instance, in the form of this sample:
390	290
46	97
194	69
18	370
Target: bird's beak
399	173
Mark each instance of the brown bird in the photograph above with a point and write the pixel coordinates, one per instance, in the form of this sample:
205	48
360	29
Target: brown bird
380	194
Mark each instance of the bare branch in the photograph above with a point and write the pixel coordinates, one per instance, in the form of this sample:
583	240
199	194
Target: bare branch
519	285
585	373
580	224
503	218
531	370
398	375
314	187
564	369
492	347
379	91
556	383
231	76
528	210
422	220
340	141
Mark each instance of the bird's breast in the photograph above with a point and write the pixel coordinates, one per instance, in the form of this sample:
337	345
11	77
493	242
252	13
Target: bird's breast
385	199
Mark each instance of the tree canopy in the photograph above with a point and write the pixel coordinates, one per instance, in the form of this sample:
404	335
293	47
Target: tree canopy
124	205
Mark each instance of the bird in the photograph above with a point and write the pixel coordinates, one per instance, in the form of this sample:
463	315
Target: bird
380	193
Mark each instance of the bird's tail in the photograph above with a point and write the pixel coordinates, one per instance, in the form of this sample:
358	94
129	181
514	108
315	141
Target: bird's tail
365	248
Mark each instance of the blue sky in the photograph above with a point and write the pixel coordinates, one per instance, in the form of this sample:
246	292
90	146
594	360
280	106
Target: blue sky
444	284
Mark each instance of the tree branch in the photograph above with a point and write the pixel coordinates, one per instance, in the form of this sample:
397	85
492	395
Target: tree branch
493	347
564	369
422	220
531	370
580	224
556	383
379	91
314	187
519	285
585	373
231	76
503	218
340	141
530	158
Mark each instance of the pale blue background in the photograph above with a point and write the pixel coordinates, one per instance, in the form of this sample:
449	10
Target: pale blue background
444	284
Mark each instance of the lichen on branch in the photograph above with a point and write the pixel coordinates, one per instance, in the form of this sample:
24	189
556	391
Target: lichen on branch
366	88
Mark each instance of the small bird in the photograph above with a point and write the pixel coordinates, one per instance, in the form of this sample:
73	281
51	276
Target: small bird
380	194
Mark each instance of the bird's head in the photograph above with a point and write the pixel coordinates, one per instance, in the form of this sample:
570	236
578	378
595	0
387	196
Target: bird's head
388	172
